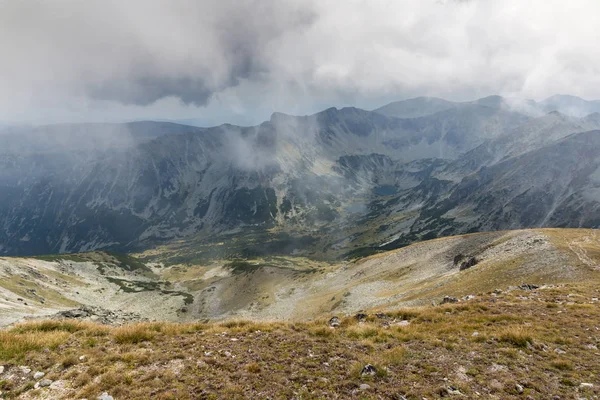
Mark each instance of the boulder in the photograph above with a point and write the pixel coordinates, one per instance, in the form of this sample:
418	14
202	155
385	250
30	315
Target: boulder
449	299
334	322
360	317
527	286
471	262
368	370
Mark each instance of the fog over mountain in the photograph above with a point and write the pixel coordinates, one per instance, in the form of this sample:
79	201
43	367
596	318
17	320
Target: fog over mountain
338	183
318	129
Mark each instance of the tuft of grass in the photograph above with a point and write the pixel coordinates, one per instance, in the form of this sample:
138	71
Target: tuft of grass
323	332
395	356
132	334
69	326
518	336
68	361
363	332
563	365
15	345
253	368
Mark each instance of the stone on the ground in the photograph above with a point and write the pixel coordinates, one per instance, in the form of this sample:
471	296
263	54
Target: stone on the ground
519	388
585	385
364	386
334	322
38	375
105	396
45	383
454	391
368	370
25	370
449	299
361	316
527	286
1	369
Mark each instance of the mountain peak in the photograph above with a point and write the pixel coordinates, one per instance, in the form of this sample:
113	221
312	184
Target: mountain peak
563	97
415	107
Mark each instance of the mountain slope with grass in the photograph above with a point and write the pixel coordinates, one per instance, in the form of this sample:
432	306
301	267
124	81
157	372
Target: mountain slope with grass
505	345
151	286
495	315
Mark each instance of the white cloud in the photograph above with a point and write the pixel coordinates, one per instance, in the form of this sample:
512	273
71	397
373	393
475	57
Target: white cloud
240	60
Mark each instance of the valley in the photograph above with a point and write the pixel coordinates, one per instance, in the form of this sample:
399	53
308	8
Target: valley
148	287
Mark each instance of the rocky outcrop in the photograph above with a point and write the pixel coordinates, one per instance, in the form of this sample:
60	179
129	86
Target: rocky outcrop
100	315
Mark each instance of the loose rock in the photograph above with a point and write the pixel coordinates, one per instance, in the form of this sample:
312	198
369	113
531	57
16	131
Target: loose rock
468	264
38	375
105	396
360	317
368	370
519	388
25	370
45	383
334	322
454	391
449	299
364	386
527	286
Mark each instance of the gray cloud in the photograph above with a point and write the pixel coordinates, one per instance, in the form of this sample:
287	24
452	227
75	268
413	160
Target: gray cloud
240	60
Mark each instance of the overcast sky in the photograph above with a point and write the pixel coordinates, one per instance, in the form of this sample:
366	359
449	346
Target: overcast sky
239	60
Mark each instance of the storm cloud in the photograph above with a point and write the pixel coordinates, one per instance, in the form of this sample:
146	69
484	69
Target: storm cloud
240	60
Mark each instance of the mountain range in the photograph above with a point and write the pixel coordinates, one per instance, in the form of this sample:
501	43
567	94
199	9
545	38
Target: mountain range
337	184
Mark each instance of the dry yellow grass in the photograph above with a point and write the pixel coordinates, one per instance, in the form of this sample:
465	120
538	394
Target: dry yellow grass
133	334
487	345
15	345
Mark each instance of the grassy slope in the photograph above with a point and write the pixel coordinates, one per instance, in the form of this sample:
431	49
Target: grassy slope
543	340
519	333
295	288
